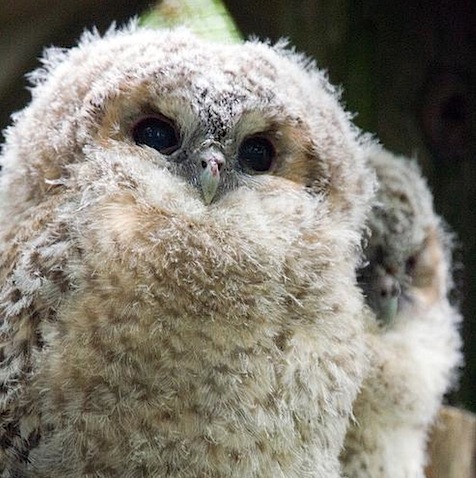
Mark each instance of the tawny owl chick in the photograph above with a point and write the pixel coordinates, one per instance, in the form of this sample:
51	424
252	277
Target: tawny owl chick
180	226
413	340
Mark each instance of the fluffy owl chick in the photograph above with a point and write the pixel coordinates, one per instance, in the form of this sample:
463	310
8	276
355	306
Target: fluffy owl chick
180	226
412	335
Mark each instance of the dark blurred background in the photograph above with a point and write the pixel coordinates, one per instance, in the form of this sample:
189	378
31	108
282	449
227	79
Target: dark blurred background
408	70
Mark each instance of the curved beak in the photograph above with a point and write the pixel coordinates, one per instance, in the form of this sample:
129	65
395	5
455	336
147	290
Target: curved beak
389	293
384	294
211	164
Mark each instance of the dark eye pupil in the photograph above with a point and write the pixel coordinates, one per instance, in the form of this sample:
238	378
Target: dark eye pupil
410	265
256	153
156	133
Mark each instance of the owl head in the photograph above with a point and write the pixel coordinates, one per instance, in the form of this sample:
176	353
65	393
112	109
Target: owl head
219	117
409	249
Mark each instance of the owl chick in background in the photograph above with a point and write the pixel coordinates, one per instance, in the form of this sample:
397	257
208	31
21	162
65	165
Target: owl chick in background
412	336
181	224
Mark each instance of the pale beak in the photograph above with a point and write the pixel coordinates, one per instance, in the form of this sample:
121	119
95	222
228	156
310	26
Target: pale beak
212	163
389	295
386	295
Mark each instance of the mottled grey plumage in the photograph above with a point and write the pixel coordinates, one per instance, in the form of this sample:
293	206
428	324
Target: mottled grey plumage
412	335
180	228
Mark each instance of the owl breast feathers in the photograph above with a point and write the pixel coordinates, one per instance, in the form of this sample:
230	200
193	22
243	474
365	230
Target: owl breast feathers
181	223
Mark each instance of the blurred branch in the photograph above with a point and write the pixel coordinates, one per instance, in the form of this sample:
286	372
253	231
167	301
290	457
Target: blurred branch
453	445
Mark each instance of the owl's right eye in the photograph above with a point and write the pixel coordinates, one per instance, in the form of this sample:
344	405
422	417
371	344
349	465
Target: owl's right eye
158	133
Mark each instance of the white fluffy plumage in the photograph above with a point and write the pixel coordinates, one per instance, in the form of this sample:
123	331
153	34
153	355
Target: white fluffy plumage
181	224
412	332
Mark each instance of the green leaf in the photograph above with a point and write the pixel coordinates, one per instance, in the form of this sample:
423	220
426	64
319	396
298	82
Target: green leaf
207	18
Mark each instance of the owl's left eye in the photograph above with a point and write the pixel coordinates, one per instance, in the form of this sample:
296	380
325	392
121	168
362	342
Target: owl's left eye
257	154
157	132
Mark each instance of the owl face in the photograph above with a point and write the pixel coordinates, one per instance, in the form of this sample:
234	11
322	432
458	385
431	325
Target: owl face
405	252
222	137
